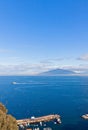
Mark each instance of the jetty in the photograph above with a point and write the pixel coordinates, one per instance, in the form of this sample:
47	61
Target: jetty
33	120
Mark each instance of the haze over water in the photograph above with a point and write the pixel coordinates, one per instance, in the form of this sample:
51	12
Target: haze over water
38	96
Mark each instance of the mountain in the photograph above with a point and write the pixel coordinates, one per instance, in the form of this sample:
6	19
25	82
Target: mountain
57	72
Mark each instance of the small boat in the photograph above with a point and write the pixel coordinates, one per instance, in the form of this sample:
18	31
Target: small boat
32	117
85	116
14	82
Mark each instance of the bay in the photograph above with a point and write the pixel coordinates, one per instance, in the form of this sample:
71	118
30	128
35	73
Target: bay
38	96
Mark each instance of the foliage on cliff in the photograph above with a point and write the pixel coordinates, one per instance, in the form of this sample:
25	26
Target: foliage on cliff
7	122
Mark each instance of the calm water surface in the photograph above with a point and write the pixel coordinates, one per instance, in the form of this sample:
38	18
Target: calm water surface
38	96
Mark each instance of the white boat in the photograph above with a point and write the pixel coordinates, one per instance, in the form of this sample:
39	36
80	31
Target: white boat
14	82
85	116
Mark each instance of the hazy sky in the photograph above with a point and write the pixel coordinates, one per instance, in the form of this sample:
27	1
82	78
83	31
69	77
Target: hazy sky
37	35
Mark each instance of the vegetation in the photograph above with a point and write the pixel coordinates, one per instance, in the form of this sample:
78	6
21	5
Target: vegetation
7	122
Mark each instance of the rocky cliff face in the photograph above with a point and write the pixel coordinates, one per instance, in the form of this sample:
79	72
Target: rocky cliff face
7	122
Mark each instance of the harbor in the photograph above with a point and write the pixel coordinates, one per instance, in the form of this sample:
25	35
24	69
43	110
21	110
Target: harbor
39	120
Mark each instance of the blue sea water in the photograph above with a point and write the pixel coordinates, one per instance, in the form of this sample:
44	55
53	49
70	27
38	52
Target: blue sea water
38	96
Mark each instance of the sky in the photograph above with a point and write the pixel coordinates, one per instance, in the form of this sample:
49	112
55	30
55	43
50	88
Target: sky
40	35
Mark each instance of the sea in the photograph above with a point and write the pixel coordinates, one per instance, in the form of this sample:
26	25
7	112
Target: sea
44	95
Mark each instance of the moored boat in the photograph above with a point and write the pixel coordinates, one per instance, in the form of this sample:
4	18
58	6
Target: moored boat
85	116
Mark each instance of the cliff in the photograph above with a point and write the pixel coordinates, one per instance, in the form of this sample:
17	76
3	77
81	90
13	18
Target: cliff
7	122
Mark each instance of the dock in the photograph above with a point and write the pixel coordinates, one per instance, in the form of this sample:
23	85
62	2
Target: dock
41	119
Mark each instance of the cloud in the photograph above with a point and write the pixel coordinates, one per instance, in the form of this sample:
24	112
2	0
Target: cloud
33	69
82	68
22	69
83	57
17	66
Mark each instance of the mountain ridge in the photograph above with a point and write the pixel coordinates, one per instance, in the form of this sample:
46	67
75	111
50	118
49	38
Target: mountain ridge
56	72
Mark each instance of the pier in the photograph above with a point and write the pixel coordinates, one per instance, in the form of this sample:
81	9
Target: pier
25	122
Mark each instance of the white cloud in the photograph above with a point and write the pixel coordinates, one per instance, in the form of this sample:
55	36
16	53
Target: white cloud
82	68
16	66
22	69
83	57
33	69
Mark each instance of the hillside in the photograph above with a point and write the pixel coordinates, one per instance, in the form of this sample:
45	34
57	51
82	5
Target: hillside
7	122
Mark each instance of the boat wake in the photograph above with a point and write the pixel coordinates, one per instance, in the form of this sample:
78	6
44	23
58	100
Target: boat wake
28	83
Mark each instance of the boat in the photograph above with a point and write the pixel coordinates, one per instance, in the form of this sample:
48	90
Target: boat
14	82
85	116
